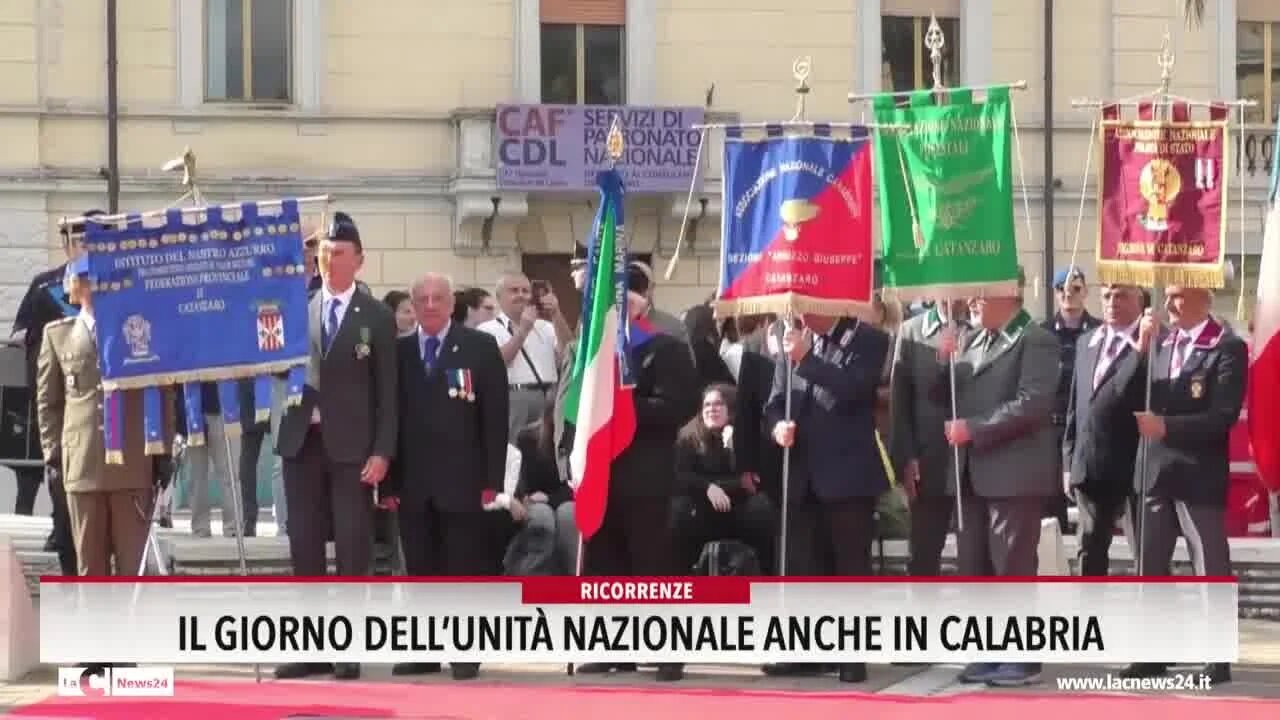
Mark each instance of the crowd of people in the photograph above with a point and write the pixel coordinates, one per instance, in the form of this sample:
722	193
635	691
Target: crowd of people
433	419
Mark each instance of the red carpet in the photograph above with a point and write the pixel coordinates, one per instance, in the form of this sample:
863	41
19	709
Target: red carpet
237	700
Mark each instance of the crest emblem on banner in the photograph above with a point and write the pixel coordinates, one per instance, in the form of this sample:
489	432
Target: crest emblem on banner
1159	184
270	328
137	333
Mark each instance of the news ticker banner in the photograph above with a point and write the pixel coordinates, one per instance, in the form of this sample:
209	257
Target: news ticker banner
692	620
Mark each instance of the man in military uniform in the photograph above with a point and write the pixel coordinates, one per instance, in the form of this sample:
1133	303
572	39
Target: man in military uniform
46	301
110	504
1068	324
917	444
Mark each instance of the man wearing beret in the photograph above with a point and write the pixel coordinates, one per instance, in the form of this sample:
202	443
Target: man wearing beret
1068	324
338	442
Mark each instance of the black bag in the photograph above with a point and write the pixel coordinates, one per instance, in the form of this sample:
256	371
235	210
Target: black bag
727	558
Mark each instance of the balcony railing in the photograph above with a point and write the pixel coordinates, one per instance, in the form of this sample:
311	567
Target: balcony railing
1258	155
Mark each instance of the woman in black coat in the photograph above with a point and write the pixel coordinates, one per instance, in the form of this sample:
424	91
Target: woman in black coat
717	500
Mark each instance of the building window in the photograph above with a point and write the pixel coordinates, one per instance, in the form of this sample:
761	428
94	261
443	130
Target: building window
906	62
583	64
1258	68
248	50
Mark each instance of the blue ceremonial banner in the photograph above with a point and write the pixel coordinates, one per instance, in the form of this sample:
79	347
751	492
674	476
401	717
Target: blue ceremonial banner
796	225
217	300
214	300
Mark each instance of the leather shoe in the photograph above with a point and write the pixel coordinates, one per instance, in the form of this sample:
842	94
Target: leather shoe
670	672
601	668
415	668
465	671
1218	673
853	673
296	671
793	669
1144	670
346	671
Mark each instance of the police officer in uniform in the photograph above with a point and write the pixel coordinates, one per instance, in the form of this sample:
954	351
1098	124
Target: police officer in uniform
1068	324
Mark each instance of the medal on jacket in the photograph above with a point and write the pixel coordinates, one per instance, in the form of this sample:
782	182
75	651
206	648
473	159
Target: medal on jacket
1197	388
460	385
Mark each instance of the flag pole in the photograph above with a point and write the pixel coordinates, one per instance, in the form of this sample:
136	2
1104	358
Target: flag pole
615	145
800	70
934	41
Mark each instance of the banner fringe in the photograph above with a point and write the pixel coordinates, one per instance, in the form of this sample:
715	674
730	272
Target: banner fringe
195	439
115	457
156	447
262	415
954	291
1150	276
793	304
238	372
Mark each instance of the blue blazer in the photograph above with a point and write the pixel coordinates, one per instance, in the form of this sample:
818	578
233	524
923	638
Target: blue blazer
833	400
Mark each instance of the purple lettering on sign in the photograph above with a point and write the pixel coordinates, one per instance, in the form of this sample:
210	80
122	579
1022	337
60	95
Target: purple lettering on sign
562	147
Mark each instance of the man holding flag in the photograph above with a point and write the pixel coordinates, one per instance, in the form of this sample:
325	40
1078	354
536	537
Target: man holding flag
630	391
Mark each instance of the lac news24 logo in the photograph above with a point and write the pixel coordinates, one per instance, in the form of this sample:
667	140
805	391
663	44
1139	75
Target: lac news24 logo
118	682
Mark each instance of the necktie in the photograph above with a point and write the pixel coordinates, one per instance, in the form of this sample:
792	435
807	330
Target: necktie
331	323
429	350
1175	362
1112	350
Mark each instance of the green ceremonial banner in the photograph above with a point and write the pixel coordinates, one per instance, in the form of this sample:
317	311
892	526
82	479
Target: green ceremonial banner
951	171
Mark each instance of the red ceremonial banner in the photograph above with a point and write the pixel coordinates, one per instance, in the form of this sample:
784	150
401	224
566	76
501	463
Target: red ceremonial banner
1162	220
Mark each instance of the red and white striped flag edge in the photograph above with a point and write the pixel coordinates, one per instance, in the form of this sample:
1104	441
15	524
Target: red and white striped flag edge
1263	402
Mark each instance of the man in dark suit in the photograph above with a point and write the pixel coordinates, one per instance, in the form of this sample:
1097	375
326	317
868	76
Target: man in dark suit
452	450
338	442
837	470
1100	445
635	536
1197	390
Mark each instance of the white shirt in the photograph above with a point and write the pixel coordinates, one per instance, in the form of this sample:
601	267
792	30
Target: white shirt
539	347
90	324
422	341
510	479
1191	336
1109	338
326	303
731	353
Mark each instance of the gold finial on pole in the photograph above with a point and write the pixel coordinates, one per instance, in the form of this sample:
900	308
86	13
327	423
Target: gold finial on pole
1166	62
800	70
615	143
935	41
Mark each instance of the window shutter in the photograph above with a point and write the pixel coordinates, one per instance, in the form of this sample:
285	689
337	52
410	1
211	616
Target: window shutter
584	12
917	8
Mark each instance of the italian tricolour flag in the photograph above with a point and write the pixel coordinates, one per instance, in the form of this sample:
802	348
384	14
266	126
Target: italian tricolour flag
598	403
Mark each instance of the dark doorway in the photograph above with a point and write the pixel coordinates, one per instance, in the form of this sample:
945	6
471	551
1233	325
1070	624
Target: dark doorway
554	268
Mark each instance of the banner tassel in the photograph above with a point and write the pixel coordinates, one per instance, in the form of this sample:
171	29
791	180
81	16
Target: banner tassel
262	398
229	399
194	412
112	437
297	379
153	420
